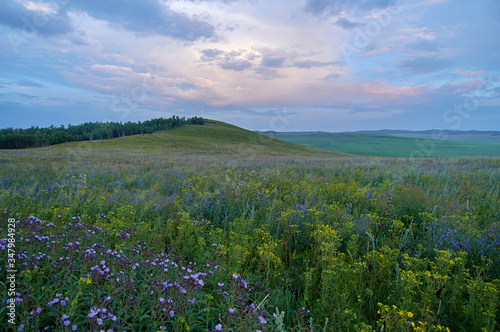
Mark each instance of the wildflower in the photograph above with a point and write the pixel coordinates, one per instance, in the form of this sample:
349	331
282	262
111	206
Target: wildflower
66	322
231	310
262	320
218	327
64	317
74	327
171	313
93	313
99	321
220	284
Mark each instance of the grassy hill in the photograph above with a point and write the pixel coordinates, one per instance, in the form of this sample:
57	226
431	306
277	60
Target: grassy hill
371	144
209	142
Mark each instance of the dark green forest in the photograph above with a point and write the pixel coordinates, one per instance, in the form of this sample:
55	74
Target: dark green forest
35	137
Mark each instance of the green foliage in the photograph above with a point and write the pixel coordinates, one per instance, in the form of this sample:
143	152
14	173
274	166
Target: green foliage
37	137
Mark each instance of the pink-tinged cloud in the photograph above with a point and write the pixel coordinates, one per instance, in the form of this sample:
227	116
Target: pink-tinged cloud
373	95
112	69
460	87
383	89
469	73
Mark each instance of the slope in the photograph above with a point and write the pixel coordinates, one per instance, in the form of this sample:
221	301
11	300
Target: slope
211	142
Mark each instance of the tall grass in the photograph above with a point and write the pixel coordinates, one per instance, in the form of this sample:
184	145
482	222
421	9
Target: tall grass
138	242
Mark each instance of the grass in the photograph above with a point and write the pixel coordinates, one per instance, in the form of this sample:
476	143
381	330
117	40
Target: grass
392	146
215	137
162	233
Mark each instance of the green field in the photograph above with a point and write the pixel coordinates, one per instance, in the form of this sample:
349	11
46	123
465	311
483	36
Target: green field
492	137
215	228
383	145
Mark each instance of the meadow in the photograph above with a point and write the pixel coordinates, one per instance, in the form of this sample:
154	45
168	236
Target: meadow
212	228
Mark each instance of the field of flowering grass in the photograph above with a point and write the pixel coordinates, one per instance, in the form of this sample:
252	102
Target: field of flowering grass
128	240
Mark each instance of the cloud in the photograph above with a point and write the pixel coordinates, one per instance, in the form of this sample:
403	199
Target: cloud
273	61
142	17
112	69
237	65
335	7
423	65
232	26
424	45
307	64
469	73
187	86
29	83
223	1
146	17
234	60
15	15
331	77
346	24
210	54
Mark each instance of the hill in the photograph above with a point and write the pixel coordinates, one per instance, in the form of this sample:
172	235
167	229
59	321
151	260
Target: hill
211	141
421	144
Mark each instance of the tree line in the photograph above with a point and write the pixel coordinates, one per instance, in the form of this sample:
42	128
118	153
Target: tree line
35	137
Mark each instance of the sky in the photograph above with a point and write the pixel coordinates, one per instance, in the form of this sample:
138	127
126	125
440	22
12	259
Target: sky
280	65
